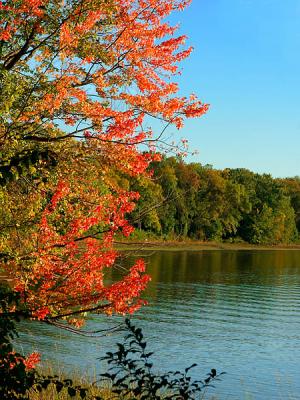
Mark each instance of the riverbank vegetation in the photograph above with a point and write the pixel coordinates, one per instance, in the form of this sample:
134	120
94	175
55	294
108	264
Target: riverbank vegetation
190	201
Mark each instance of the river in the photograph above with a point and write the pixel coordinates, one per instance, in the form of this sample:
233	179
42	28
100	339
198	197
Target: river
236	311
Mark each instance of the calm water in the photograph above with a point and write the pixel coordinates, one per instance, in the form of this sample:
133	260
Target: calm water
236	311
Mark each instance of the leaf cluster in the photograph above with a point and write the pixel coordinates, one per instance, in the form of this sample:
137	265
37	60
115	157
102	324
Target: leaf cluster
132	376
22	163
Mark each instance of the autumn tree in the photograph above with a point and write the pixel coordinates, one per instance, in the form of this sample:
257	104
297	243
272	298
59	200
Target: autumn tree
80	82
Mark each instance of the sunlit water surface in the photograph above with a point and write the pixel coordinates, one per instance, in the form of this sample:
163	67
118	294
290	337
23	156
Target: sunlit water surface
236	311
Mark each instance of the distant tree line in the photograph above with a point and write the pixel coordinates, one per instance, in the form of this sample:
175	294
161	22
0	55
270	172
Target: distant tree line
199	202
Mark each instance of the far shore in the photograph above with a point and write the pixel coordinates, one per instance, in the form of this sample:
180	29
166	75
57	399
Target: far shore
190	245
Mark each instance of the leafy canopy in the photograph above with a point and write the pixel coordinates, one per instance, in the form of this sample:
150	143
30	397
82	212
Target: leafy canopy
80	81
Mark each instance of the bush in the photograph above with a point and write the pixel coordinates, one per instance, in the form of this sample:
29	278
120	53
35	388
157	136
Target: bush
132	377
18	377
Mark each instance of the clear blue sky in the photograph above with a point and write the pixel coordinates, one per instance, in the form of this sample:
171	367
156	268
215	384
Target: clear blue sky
246	64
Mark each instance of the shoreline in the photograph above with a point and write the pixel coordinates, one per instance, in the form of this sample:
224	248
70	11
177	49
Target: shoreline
198	246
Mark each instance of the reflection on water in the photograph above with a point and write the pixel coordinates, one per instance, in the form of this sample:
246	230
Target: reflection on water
237	311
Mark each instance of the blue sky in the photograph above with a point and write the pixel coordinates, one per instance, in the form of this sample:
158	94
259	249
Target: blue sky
246	64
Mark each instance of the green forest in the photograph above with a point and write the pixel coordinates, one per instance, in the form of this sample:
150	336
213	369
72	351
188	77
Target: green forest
190	200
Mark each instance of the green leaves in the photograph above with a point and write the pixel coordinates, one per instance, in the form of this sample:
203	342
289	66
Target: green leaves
195	201
26	163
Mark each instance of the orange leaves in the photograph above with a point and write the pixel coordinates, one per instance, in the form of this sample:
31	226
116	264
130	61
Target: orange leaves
5	34
72	253
40	313
12	16
133	54
66	37
33	7
14	359
120	294
61	191
32	360
196	109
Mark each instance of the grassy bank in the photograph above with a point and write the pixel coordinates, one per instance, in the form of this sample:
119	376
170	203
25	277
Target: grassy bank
93	389
98	388
194	245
